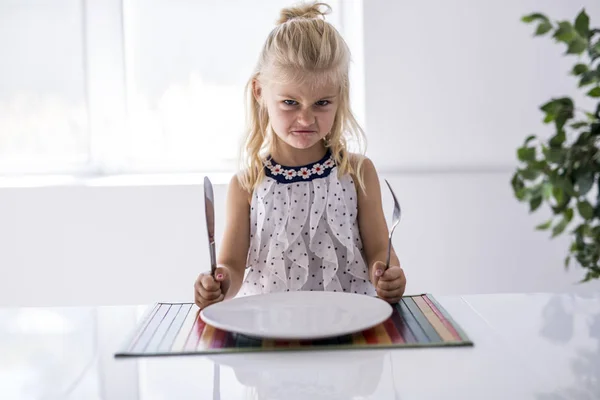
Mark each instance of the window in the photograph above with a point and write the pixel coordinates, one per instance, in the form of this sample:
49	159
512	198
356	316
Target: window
133	86
43	112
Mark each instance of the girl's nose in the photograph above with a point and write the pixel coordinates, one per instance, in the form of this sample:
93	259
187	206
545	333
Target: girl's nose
306	117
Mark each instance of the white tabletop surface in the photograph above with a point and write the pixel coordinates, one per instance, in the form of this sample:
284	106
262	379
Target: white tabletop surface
527	346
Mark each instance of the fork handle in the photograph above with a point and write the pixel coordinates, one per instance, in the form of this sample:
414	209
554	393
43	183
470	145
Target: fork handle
387	263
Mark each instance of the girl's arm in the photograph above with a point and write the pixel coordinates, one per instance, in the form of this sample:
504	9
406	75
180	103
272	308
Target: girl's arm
371	219
235	242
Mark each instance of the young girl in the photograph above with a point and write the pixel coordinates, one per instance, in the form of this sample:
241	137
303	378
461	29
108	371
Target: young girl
304	213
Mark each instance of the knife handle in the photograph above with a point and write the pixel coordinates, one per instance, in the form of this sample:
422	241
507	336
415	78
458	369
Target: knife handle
213	258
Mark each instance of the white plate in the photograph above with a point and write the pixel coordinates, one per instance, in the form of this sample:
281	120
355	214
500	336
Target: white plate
301	315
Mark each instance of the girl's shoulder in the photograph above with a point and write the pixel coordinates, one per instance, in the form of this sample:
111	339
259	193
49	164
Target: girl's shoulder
355	159
360	168
238	187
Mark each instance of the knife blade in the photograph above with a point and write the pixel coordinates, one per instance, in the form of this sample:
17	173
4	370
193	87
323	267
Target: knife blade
209	210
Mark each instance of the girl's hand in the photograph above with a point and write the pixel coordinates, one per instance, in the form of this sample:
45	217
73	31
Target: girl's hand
390	283
209	290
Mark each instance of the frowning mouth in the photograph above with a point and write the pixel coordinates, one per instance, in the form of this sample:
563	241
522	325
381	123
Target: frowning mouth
303	132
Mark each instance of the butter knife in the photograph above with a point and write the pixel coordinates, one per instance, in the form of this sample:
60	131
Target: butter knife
209	210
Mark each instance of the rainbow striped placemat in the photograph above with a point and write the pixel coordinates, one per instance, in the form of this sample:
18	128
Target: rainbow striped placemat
177	329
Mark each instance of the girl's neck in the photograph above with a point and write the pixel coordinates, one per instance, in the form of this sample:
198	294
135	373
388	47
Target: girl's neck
286	155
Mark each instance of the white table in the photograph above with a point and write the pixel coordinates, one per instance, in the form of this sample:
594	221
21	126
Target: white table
527	346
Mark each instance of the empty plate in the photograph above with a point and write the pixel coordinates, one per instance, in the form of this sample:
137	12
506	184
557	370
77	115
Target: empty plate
301	315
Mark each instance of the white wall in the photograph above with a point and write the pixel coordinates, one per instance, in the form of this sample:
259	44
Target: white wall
457	84
460	233
451	91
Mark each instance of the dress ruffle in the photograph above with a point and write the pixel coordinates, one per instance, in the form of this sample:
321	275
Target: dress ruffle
304	236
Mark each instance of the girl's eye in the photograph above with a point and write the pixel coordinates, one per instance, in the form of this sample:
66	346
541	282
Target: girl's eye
322	103
290	102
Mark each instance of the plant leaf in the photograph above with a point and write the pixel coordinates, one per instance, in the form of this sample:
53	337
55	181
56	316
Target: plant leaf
558	194
595	50
579	69
569	214
549	118
556	155
528	139
585	183
592	274
547	190
543	28
579	124
587	78
582	24
577	46
536	191
517	183
567	262
595	92
563	116
529	174
535	203
526	154
565	32
587	230
533	17
560	227
558	139
566	184
560	110
545	226
551	107
583	139
585	209
522	194
560	191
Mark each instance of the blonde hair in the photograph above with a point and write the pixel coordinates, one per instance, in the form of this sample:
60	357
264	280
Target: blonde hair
302	48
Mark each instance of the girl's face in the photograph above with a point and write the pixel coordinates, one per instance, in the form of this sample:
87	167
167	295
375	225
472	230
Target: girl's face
301	116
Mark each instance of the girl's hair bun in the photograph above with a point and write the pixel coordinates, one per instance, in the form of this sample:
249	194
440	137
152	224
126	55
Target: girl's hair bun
303	11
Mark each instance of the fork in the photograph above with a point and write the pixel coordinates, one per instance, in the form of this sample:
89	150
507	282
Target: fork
395	222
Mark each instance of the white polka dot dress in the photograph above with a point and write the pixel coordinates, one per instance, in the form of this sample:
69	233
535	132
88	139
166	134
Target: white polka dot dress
304	232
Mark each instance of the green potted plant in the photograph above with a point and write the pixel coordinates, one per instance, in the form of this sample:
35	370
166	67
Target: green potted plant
563	171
